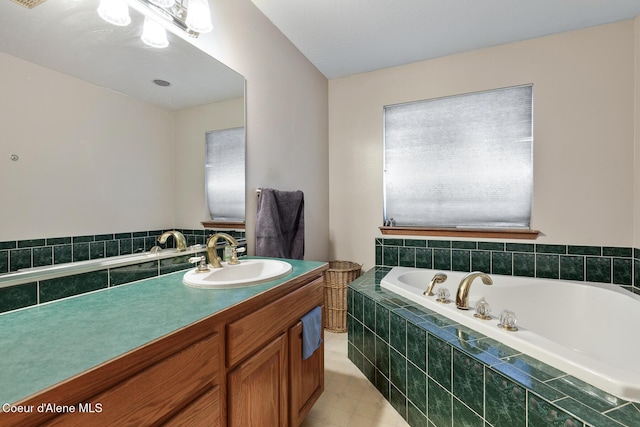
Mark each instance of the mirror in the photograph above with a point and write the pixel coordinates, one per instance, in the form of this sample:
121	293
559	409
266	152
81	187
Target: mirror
90	144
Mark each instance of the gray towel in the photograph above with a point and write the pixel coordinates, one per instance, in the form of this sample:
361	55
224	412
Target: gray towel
280	224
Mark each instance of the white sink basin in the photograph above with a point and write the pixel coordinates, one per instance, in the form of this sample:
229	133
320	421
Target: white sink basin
248	272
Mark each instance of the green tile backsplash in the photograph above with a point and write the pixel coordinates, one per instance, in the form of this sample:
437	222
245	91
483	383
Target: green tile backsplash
435	372
16	255
602	264
76	284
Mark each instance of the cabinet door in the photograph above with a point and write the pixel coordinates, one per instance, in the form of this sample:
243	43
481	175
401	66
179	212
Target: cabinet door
306	377
258	388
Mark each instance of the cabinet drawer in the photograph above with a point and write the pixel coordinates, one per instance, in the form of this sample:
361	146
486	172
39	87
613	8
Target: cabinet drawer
246	335
154	393
205	411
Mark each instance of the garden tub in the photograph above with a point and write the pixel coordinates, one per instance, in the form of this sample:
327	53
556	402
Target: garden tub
584	329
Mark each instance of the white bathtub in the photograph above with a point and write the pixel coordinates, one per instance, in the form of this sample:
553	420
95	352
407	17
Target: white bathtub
586	330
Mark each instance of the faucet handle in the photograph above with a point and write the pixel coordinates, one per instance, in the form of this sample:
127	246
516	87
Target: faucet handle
483	310
234	255
443	295
201	261
508	320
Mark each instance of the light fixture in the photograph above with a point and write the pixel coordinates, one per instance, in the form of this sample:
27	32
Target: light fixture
199	16
154	34
115	12
163	3
191	16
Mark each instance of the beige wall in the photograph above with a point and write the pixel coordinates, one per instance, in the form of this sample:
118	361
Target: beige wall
287	144
91	160
583	134
287	113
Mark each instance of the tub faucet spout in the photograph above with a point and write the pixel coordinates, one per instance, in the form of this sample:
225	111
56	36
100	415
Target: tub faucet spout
214	259
181	242
462	296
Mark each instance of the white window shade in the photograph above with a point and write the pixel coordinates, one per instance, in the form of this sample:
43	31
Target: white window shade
461	161
224	174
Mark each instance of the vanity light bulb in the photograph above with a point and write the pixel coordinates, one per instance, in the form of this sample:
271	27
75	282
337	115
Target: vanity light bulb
199	16
163	3
154	34
115	12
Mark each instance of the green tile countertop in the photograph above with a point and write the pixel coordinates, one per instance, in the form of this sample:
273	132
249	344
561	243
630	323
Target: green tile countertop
43	345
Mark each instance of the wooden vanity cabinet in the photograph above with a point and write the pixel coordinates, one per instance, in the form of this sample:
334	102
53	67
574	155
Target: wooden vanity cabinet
173	380
241	367
268	382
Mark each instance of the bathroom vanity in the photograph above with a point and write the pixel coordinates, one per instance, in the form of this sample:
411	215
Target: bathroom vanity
240	364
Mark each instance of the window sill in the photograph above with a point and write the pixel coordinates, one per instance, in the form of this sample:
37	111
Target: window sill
223	224
491	233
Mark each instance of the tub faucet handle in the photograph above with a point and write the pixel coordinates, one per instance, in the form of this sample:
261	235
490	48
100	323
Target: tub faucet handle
443	295
483	310
508	320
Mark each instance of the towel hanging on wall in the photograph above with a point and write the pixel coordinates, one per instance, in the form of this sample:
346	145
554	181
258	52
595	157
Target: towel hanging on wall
280	224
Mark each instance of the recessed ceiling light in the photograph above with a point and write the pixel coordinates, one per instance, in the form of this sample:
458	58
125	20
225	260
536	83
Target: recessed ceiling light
162	83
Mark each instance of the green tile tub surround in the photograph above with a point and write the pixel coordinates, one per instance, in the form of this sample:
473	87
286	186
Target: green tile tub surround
19	254
599	264
444	374
76	334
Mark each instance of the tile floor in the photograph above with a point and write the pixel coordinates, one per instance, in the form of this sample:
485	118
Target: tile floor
349	399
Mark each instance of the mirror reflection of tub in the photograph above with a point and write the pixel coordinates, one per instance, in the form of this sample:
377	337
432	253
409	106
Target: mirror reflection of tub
580	328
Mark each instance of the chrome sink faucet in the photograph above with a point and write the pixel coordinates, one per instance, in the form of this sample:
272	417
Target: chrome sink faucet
462	296
181	242
214	259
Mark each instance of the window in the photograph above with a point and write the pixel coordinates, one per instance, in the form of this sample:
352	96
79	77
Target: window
462	161
224	174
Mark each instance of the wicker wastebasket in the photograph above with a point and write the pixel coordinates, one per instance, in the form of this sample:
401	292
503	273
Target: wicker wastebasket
336	280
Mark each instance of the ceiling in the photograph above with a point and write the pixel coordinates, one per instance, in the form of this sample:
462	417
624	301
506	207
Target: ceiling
344	37
68	36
